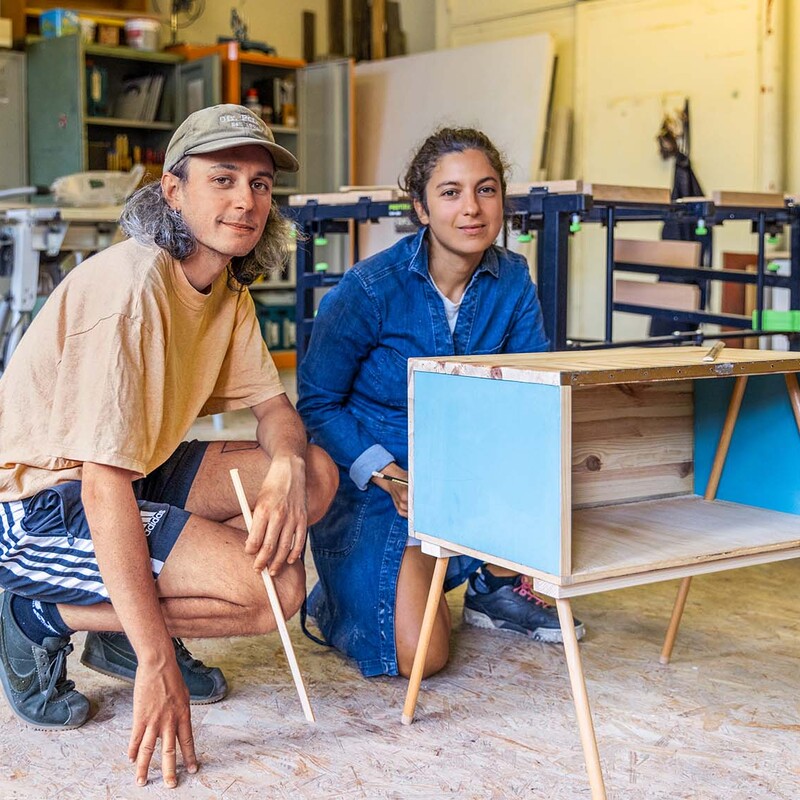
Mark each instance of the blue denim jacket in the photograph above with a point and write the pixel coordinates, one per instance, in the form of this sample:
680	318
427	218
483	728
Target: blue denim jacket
353	389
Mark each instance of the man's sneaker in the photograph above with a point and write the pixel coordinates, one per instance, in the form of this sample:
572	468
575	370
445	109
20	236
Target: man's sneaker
513	607
34	677
112	655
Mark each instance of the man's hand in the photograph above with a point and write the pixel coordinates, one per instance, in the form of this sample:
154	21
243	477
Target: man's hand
161	711
280	517
398	492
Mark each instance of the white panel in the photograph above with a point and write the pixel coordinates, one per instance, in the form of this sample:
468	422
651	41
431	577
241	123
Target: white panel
502	88
560	24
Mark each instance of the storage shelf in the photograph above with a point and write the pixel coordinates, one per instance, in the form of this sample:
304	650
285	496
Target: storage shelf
632	538
131	53
114	122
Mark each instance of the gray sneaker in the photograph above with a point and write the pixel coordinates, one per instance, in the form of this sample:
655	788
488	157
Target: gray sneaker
515	608
34	677
112	655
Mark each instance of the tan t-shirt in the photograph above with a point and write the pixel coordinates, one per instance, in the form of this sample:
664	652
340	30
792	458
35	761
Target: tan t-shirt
118	364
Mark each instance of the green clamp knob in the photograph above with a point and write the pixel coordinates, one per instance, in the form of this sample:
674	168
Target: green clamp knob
293	232
574	227
524	237
773	266
773	238
320	240
701	229
322	266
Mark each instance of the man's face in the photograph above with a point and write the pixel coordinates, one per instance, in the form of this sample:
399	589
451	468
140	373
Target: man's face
225	199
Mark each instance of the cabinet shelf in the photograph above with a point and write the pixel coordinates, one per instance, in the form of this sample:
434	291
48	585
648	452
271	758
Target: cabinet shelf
118	52
632	538
115	122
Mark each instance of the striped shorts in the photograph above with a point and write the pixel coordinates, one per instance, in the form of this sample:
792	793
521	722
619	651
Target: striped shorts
46	550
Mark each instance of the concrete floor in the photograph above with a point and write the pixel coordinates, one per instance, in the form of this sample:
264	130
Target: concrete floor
721	721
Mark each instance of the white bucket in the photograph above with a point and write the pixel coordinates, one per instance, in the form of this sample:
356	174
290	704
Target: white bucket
142	33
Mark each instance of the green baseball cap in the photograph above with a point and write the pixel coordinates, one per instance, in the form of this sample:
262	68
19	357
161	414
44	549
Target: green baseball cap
223	126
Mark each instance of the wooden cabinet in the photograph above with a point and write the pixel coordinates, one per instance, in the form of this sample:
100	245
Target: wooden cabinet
588	470
591	471
74	93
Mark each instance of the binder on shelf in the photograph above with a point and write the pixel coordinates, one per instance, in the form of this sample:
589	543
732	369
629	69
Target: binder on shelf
131	100
153	97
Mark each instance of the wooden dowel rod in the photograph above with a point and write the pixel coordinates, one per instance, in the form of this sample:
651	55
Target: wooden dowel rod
275	604
431	607
581	699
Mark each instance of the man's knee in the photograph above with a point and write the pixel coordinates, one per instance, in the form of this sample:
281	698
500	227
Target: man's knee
290	585
323	481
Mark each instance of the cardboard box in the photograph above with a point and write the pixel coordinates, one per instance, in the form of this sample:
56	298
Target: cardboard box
107	34
58	22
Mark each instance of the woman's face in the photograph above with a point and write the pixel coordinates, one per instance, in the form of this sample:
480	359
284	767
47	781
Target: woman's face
465	206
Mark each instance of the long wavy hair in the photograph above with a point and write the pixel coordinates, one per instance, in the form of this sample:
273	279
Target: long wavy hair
440	143
148	218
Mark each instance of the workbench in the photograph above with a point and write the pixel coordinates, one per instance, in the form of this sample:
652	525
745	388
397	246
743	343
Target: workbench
29	231
597	470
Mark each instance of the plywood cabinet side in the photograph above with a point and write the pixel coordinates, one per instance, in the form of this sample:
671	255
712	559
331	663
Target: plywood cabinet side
631	442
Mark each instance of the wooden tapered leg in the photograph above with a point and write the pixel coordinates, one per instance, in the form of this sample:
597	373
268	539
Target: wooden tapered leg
581	700
794	395
734	405
675	620
432	606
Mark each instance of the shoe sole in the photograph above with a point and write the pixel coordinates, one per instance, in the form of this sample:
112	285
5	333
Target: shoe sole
130	681
546	635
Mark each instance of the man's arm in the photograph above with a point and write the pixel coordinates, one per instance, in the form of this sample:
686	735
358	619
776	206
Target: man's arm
280	517
161	699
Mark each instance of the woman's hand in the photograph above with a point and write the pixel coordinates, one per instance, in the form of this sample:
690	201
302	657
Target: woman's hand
398	491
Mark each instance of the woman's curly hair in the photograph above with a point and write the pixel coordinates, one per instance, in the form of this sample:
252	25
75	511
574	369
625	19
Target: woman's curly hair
441	142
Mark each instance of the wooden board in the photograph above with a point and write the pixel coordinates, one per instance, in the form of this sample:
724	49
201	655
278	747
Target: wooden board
599	192
631	441
623	365
680	296
611	193
664	253
347	198
748	199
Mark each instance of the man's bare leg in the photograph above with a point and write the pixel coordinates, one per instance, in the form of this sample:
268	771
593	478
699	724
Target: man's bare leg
208	586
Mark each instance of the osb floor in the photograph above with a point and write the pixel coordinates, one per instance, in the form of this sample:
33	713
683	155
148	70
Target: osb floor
721	721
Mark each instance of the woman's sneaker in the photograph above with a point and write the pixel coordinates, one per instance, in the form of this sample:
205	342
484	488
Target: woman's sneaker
112	654
34	677
513	607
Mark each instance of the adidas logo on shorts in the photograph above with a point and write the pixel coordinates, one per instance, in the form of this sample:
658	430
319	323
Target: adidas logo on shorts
150	519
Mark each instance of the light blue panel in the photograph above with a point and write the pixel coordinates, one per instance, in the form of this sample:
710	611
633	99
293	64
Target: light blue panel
487	466
763	464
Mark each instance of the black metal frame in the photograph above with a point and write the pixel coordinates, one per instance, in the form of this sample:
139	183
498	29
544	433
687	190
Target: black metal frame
553	218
